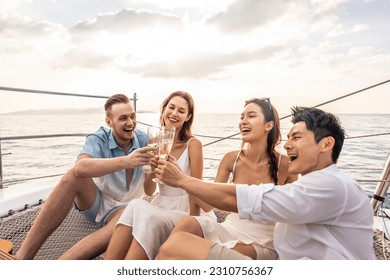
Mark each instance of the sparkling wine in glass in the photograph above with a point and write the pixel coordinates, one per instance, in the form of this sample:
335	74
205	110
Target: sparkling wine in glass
153	134
165	144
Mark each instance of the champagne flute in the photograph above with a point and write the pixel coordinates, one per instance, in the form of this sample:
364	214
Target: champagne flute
153	134
165	144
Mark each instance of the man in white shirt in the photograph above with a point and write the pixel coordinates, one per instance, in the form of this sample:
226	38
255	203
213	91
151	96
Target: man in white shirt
323	215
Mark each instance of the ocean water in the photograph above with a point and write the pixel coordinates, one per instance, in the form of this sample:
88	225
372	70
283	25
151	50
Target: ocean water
362	157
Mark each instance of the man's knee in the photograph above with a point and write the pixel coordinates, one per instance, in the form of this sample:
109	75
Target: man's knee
76	184
82	190
69	178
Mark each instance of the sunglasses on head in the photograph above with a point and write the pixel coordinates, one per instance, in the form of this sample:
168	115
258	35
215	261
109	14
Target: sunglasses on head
268	101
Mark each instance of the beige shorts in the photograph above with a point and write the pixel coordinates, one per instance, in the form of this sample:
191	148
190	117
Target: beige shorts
220	252
266	251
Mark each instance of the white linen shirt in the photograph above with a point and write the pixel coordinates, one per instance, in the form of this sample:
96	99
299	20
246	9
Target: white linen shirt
323	215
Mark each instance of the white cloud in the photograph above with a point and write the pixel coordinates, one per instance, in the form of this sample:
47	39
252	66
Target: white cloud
9	7
359	51
360	27
245	15
337	31
128	20
205	47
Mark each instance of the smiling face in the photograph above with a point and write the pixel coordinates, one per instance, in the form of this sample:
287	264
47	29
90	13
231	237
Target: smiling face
122	119
253	125
305	154
176	112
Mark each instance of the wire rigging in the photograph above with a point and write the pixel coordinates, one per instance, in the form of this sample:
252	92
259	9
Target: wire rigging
205	136
318	105
50	92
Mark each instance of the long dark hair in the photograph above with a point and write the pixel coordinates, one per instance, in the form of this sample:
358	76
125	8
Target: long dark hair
274	136
185	132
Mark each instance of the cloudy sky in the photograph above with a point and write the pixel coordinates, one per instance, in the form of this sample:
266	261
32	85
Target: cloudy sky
222	52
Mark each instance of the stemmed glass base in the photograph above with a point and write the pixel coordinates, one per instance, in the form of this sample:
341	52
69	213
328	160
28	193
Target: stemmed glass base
147	169
156	180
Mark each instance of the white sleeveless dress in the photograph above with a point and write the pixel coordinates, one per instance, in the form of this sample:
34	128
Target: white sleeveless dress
235	230
153	222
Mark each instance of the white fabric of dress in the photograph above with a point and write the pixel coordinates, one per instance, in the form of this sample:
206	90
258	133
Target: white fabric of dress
236	230
153	222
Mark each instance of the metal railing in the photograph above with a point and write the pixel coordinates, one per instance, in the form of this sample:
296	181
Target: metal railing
134	99
11	138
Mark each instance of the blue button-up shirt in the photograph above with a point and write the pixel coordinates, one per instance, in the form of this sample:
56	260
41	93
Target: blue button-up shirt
102	144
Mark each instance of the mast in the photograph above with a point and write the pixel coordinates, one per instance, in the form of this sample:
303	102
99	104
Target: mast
381	189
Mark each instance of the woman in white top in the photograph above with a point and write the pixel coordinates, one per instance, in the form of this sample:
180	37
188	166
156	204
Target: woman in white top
144	226
257	162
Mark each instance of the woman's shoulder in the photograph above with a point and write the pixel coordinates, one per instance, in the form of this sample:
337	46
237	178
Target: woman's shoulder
194	145
231	156
226	165
193	141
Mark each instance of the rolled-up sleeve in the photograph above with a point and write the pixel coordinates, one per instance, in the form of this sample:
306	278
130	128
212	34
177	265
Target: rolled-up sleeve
249	200
92	147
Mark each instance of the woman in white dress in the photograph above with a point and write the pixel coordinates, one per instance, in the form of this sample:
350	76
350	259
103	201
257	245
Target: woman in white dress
144	226
256	162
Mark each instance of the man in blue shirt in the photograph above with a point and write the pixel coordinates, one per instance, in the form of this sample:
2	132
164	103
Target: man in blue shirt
106	176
